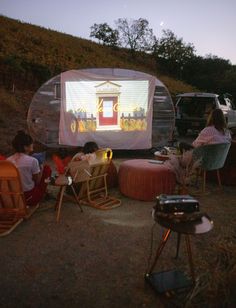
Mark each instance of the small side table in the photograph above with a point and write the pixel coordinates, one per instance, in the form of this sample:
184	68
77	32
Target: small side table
171	280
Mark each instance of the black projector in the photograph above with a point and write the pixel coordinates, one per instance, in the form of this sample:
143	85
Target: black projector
176	204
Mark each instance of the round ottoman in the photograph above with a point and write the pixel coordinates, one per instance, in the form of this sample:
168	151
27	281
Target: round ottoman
141	179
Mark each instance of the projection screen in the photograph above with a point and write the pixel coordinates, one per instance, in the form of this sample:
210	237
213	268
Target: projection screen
115	112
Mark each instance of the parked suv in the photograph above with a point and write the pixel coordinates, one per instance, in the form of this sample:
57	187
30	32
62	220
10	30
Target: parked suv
192	110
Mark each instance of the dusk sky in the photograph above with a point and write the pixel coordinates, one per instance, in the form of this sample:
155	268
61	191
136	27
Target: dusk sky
208	24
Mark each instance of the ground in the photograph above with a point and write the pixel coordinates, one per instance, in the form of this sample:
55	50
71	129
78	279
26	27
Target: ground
99	258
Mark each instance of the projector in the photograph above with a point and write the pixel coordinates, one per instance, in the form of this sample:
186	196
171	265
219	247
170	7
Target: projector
176	204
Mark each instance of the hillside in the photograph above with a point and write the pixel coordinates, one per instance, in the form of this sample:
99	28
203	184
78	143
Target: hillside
30	55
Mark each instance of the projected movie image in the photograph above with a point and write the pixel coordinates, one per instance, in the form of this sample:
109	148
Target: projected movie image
95	106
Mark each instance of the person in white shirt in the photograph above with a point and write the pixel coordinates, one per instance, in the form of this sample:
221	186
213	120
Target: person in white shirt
32	176
215	132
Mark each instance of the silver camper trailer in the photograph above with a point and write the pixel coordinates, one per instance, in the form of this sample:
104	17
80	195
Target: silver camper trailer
45	109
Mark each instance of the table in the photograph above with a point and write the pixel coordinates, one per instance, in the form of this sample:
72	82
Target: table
144	179
169	280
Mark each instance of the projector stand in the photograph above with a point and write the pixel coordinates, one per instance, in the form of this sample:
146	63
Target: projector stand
175	280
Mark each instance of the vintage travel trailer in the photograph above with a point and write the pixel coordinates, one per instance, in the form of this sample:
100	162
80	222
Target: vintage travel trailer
119	108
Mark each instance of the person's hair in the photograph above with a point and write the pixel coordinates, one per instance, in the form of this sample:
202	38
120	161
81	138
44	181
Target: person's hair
90	147
217	119
20	141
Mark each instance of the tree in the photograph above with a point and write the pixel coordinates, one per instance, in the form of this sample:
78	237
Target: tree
207	73
105	34
229	82
135	34
172	53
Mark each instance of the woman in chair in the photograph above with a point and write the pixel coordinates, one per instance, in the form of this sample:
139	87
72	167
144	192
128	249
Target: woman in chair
215	132
33	175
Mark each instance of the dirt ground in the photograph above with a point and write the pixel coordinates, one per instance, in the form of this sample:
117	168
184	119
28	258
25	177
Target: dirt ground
99	258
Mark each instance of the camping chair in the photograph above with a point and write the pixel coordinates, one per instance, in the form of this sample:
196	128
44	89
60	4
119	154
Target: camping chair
212	157
94	191
78	171
13	208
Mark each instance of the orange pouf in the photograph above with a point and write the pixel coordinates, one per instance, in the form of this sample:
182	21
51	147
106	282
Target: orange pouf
142	180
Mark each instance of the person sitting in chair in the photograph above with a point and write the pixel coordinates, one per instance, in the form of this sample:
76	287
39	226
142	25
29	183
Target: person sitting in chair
93	154
32	175
215	132
88	152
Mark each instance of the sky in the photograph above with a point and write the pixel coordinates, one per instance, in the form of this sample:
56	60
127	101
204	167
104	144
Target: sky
208	24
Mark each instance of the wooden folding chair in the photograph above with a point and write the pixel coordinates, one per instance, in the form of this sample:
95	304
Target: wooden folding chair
94	191
78	171
13	208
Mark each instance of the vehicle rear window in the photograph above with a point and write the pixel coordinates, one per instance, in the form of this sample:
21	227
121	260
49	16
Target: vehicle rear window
196	106
222	101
